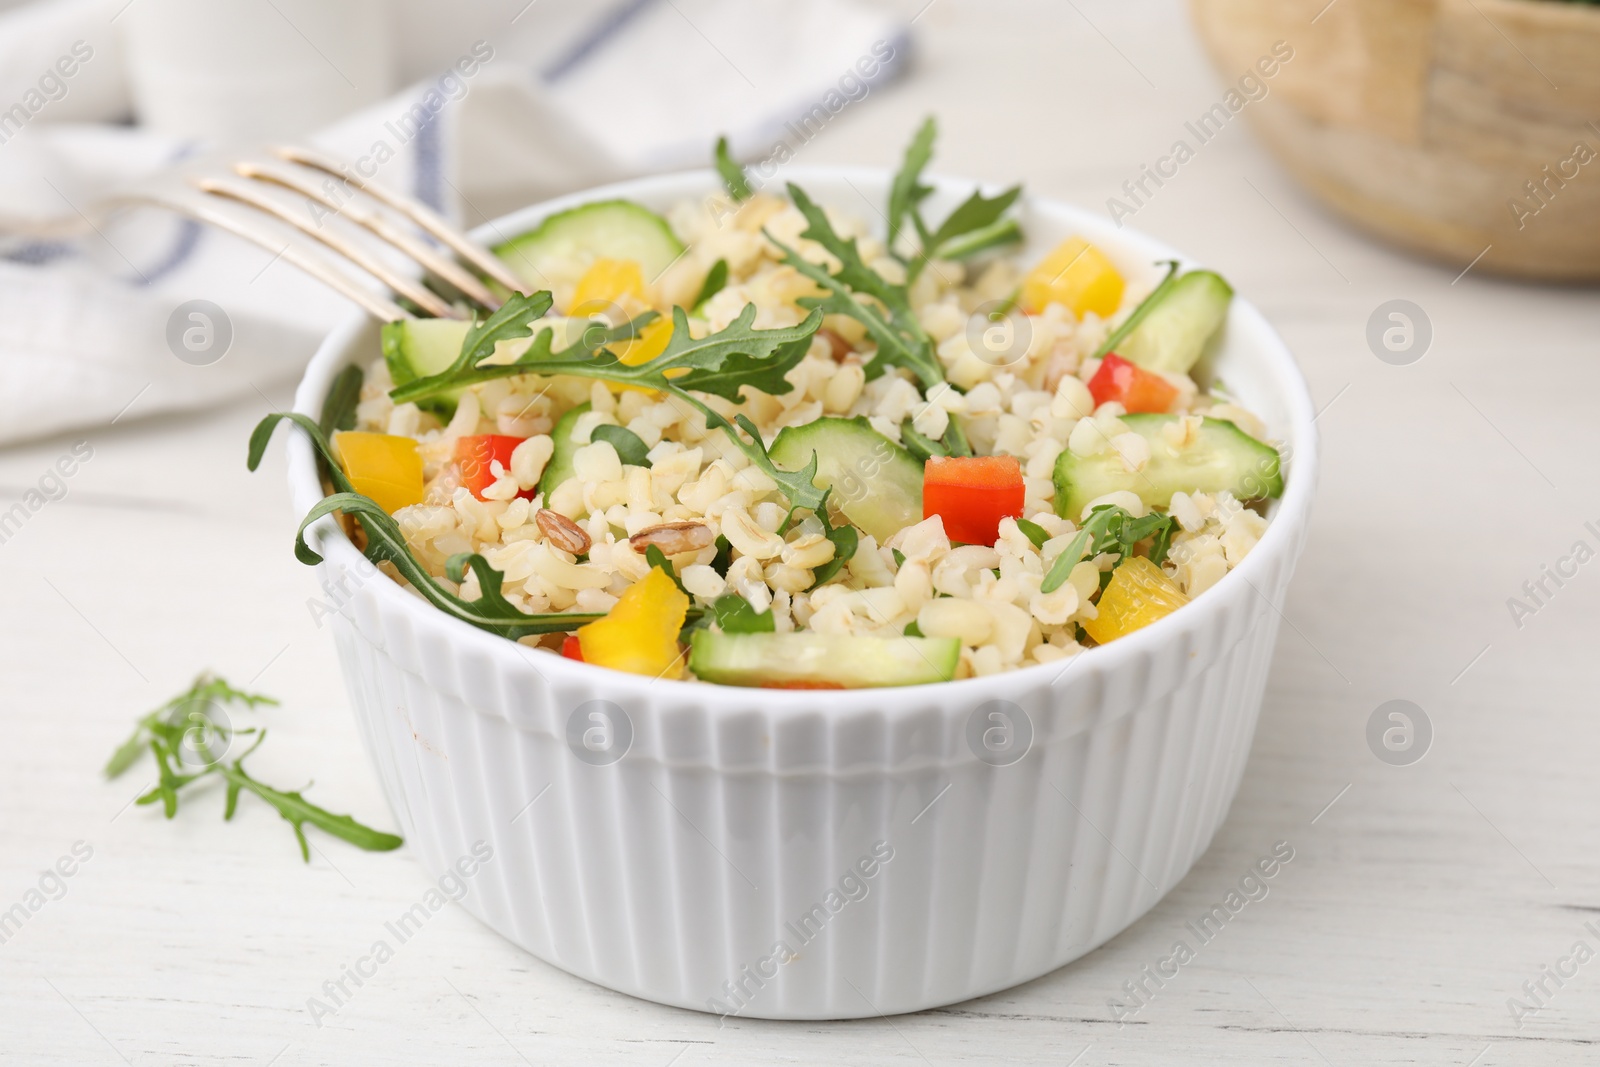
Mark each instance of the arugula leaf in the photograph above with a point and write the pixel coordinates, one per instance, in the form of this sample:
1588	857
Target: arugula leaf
1034	532
735	616
845	542
181	713
1069	558
906	192
658	559
1111	529
724	557
995	235
298	811
955	439
319	441
716	281
977	212
733	176
862	293
918	444
975	226
593	338
719	363
509	323
339	408
187	724
799	486
738	355
1138	314
630	447
386	542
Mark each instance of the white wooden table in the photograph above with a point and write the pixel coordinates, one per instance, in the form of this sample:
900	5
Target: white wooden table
1420	898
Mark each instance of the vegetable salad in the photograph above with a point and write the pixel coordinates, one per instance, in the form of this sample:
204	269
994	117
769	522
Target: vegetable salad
752	442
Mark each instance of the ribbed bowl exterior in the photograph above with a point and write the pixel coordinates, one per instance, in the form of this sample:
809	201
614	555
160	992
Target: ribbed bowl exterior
811	854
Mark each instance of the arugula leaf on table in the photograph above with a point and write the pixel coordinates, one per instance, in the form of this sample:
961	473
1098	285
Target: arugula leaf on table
175	713
186	731
733	176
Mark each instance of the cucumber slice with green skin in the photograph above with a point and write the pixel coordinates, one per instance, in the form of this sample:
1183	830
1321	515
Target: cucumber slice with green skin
559	469
807	658
1182	318
1221	457
874	482
417	348
610	229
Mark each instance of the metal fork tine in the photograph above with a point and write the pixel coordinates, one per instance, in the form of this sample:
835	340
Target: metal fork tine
379	307
417	212
378	223
407	287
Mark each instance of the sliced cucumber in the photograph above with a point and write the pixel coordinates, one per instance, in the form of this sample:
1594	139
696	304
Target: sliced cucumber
800	659
1182	319
875	482
559	469
1222	457
417	348
613	229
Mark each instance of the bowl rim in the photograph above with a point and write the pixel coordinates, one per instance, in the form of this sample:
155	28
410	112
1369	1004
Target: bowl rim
1281	538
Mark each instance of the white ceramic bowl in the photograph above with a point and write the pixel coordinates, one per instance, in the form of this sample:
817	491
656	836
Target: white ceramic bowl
733	859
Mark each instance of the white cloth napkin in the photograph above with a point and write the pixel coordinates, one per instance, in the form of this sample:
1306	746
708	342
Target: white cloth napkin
601	93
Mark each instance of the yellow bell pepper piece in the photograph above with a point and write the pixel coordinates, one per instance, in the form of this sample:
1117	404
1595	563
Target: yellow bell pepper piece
605	283
382	466
640	633
651	342
1139	593
1077	275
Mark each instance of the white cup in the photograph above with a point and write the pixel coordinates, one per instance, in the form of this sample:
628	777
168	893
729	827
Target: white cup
255	69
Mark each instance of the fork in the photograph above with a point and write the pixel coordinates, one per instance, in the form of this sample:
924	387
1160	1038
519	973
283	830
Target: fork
331	191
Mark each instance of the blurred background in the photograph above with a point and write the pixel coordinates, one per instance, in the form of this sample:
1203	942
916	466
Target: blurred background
1408	189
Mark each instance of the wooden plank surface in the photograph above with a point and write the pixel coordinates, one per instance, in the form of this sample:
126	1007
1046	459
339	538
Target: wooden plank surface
1419	899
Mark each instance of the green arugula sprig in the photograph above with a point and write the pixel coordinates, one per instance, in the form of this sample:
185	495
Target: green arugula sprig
863	294
187	732
977	225
732	174
387	542
1110	529
720	364
1138	314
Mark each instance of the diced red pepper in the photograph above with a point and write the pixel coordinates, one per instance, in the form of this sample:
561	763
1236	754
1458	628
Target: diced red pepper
477	454
571	648
1136	389
972	494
